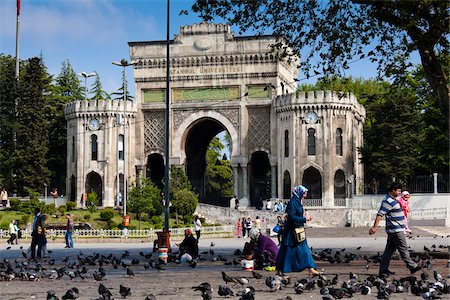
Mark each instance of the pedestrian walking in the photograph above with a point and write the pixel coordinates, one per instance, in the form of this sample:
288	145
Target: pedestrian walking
4	197
12	233
70	227
280	225
295	256
239	228
404	203
395	225
54	194
197	227
258	223
42	247
248	226
244	229
37	234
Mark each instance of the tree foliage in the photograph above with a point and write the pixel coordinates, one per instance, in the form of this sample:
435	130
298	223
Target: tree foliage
30	156
329	35
97	91
185	202
219	173
145	198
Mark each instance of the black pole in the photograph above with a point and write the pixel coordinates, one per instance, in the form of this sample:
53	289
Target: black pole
167	152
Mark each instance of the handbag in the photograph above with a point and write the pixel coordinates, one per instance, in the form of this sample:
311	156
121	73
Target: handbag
299	234
277	229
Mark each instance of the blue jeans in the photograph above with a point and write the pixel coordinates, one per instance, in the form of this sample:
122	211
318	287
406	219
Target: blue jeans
69	239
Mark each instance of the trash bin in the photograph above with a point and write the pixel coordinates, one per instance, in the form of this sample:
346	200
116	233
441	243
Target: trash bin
163	245
126	220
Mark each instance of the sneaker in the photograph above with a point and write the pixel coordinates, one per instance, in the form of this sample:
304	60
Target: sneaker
414	270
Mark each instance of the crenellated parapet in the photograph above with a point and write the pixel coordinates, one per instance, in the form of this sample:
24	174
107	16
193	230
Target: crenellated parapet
320	100
99	108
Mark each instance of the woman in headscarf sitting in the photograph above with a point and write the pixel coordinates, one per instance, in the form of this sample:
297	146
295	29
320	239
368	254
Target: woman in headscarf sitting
295	256
189	245
265	252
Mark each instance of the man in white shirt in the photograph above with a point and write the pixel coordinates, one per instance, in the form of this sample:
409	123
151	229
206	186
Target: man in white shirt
197	226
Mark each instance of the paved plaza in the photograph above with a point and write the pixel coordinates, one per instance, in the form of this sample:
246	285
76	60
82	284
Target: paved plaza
176	280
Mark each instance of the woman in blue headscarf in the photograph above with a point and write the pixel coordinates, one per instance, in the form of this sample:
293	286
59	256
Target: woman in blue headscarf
294	256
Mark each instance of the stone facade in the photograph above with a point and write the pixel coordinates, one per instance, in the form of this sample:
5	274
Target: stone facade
238	84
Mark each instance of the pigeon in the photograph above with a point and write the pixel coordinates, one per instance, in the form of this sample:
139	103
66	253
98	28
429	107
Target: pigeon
124	291
227	278
205	286
7	248
150	297
72	293
225	291
241	280
299	287
274	283
130	272
51	295
183	12
212	244
104	291
248	294
366	290
257	275
437	276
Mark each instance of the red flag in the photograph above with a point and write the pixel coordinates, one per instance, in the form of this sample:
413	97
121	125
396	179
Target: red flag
18	7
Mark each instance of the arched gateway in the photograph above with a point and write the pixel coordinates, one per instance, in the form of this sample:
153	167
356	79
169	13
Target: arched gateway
220	82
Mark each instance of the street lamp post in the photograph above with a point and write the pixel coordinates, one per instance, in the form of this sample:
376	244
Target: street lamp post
83	187
124	63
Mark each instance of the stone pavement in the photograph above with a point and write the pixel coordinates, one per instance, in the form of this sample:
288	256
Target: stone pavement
175	281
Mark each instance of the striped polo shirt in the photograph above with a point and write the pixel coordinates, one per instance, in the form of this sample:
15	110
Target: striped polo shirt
392	211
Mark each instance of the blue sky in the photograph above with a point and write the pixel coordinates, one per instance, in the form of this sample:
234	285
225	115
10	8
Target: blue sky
93	33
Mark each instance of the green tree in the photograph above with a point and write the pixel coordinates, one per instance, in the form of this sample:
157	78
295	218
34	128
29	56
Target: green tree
66	89
97	91
30	157
329	35
119	95
219	173
185	202
8	94
145	198
178	180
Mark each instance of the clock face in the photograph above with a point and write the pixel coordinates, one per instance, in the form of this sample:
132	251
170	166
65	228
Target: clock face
311	117
94	124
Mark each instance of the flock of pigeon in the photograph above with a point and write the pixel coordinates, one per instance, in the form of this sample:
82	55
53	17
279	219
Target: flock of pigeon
98	267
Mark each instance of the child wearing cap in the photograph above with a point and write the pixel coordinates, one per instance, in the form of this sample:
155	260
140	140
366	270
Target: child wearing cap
404	203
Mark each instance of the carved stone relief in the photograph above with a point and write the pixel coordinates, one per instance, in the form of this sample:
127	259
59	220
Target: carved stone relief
259	128
154	131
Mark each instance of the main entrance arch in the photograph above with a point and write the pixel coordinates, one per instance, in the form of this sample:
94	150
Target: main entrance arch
196	141
94	183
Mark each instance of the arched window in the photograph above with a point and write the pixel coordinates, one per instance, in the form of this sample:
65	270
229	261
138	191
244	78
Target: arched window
121	147
73	149
94	147
311	141
286	143
339	141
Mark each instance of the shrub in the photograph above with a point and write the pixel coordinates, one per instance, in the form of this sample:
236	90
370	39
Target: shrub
145	217
91	201
25	219
63	209
15	204
4	225
87	217
156	219
188	219
107	214
71	205
159	226
49	209
176	226
1	216
110	224
29	206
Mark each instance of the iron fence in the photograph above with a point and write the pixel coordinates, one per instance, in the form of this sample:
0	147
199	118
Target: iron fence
111	233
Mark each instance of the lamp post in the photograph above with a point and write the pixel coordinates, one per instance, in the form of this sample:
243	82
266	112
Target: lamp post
124	63
83	187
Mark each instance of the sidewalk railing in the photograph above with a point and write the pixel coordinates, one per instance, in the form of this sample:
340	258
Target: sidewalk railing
429	214
109	233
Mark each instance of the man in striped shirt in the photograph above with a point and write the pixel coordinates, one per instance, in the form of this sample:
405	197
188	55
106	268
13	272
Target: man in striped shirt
395	226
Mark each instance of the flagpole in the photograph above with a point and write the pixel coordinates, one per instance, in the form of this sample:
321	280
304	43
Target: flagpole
17	39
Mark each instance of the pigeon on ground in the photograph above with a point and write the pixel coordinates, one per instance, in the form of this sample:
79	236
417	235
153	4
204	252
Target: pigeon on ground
257	275
51	295
72	293
225	291
227	278
130	272
124	291
150	297
248	294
